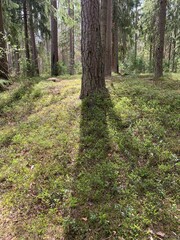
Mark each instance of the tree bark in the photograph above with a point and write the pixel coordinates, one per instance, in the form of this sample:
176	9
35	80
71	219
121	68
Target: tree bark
169	53
35	67
71	38
108	62
92	63
28	62
136	28
103	15
115	32
160	39
174	51
54	41
3	56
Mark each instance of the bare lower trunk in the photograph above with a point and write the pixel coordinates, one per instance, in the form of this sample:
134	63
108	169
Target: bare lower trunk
169	54
103	15
16	61
136	28
28	62
3	56
160	39
174	51
150	54
71	39
108	62
35	67
91	48
115	32
54	41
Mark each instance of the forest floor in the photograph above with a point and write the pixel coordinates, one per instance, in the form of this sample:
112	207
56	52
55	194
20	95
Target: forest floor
102	168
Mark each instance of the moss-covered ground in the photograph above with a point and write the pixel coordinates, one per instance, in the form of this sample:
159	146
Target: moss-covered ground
102	168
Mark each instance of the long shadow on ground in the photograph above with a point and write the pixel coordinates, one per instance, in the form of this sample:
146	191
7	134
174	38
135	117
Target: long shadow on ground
95	173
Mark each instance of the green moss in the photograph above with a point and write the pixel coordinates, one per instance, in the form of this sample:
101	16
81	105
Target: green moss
103	168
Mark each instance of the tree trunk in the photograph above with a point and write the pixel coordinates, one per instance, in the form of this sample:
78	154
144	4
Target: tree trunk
160	39
103	16
174	51
16	61
71	38
108	62
3	56
169	54
92	63
28	62
35	67
150	54
115	32
54	41
136	28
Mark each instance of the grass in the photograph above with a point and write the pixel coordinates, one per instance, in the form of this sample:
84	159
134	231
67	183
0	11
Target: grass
102	168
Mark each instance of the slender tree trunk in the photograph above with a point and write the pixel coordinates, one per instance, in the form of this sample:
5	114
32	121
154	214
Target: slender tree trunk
103	15
92	63
71	38
136	36
115	32
3	56
16	61
28	62
108	62
35	67
150	54
169	54
174	51
160	39
54	41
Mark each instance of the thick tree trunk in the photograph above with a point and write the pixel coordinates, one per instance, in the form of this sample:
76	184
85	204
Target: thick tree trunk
28	62
92	63
108	62
3	56
35	67
115	32
54	41
71	38
160	39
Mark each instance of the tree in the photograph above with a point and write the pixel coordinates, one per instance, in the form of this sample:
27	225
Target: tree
115	39
103	16
91	49
26	34
54	40
3	57
106	34
161	22
71	37
35	67
109	40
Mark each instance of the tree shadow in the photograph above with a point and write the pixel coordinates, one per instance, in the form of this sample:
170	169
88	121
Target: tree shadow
94	186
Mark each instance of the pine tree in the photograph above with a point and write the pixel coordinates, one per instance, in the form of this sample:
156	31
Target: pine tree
3	57
92	63
54	40
161	22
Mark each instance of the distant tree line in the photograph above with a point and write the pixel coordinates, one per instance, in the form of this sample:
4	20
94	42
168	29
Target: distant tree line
43	37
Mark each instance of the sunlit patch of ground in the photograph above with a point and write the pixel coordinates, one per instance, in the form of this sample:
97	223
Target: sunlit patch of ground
102	168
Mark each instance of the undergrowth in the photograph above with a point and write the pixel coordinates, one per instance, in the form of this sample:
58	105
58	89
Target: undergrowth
102	168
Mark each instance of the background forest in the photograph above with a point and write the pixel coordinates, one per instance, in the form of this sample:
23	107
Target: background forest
131	38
